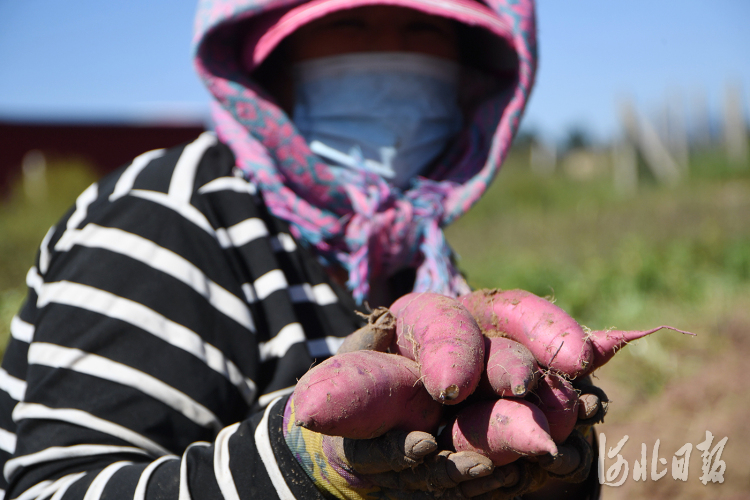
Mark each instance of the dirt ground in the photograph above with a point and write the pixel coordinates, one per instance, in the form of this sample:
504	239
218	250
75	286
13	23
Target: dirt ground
715	398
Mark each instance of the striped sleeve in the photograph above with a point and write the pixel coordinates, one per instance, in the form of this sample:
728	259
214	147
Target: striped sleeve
166	310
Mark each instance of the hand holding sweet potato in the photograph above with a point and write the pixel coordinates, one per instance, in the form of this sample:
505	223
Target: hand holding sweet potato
362	403
505	374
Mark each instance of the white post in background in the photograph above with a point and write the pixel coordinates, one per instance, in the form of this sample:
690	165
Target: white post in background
34	169
735	128
644	136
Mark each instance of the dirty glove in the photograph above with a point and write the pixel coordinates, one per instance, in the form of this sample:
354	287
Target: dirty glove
396	465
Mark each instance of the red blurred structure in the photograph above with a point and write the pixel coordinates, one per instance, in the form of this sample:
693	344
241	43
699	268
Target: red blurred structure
103	145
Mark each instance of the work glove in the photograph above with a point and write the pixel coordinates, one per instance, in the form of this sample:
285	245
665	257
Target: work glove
395	466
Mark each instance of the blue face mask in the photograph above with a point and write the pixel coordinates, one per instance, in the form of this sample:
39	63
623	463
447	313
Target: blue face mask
391	113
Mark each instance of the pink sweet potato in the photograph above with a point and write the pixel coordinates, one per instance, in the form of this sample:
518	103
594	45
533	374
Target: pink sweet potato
511	369
376	335
555	339
503	430
558	400
364	394
443	338
606	343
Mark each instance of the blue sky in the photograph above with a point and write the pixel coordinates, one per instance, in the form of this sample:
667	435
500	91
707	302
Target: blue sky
94	59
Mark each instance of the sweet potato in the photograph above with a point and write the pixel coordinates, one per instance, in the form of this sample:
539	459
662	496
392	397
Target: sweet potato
606	343
364	394
443	338
555	339
503	430
511	369
558	400
376	335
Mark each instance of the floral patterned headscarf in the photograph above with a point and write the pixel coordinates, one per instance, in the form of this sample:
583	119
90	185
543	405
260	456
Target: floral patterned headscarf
366	225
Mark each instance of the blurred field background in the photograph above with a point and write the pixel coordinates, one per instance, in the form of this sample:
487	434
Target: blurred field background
654	253
676	255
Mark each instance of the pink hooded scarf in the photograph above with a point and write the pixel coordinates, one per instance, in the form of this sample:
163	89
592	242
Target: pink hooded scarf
367	226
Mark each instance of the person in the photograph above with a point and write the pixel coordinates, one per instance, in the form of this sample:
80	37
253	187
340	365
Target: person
172	309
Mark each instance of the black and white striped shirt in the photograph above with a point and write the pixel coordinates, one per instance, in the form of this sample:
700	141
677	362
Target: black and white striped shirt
166	310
